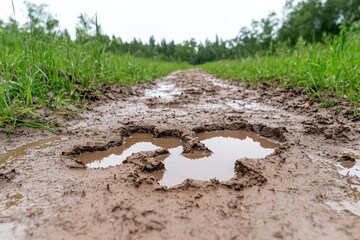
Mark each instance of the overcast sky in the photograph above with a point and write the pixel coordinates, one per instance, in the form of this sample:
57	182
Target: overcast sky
177	20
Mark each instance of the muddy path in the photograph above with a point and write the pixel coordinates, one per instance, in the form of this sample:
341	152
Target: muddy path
307	188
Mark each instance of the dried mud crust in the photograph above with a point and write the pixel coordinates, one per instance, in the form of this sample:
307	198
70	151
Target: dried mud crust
287	195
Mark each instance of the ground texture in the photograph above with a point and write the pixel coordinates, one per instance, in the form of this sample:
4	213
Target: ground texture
298	192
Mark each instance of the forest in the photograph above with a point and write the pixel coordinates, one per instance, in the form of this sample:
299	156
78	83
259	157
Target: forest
310	21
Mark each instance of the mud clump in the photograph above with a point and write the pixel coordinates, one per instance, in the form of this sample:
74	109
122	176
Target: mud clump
7	175
93	147
331	130
137	180
231	123
148	161
190	184
74	163
347	158
131	128
111	92
162	133
245	176
193	145
277	133
116	92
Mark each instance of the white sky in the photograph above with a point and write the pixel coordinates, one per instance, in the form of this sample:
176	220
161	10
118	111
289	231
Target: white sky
177	20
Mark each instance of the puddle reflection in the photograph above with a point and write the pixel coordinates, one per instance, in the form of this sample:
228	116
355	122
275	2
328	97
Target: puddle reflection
226	147
136	143
21	151
350	168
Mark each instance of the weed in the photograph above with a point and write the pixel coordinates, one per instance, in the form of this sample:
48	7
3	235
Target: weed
328	103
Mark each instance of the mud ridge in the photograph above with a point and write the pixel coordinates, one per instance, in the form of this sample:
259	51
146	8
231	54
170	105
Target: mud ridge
147	161
277	133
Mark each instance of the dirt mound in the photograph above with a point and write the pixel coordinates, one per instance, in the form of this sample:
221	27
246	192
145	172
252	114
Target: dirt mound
148	161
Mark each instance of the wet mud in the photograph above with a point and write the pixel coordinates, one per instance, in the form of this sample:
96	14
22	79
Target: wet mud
173	165
298	177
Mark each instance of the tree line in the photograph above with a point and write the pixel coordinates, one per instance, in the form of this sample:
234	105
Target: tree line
308	20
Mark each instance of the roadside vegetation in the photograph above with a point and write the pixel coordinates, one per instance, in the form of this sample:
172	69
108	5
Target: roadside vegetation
42	67
323	69
315	45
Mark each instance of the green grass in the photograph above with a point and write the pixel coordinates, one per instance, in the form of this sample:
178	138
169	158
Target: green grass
326	69
40	70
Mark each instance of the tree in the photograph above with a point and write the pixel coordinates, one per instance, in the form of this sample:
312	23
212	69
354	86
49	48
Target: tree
305	21
41	22
312	18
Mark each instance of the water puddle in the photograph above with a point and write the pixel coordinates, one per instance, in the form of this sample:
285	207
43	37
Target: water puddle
165	91
345	207
344	167
21	151
226	147
12	230
349	168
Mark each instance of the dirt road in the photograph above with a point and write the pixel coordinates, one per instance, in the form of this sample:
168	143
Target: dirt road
307	189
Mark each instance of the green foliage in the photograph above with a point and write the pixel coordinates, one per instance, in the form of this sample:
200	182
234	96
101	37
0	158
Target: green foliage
312	18
322	69
328	103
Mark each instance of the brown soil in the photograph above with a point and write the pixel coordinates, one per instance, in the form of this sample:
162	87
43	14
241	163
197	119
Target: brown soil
295	193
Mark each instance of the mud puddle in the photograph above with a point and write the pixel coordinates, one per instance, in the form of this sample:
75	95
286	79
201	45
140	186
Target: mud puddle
11	230
226	147
114	156
346	207
349	168
21	151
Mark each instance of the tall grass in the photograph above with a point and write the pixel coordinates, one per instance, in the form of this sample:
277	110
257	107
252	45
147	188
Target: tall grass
47	69
326	69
